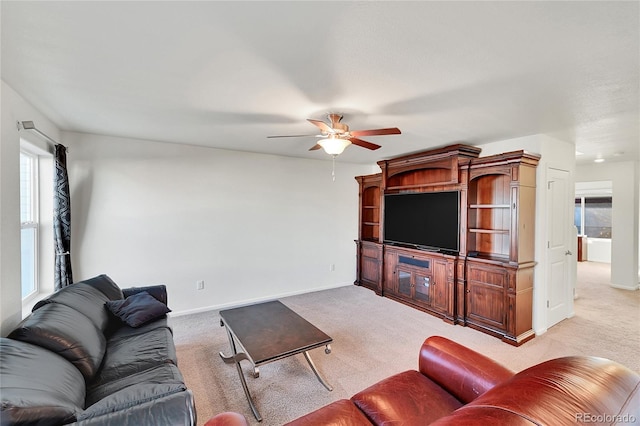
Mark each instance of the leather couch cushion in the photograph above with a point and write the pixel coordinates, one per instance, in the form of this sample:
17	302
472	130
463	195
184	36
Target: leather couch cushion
159	291
405	398
126	331
557	391
483	416
37	386
106	285
164	373
85	298
154	405
340	413
132	354
66	332
130	396
138	309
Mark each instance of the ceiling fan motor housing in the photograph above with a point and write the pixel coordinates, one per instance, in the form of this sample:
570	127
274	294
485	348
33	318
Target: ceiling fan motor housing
336	124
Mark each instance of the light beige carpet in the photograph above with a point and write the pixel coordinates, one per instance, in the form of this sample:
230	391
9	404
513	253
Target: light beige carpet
375	337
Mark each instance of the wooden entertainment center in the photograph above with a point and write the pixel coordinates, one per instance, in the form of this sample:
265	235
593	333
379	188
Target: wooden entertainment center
488	283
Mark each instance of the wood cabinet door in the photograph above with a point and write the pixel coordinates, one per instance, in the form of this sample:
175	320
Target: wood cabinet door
486	297
390	283
440	287
370	270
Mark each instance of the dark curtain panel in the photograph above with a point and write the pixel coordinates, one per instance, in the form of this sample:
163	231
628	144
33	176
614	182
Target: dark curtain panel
62	219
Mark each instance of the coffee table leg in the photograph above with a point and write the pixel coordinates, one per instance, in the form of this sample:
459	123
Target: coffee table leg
235	359
315	370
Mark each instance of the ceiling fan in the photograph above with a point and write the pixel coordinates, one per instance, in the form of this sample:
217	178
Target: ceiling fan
336	136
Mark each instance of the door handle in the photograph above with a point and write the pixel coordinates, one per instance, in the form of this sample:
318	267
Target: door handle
568	253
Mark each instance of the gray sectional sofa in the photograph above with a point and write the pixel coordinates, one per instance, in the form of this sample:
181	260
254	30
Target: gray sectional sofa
93	354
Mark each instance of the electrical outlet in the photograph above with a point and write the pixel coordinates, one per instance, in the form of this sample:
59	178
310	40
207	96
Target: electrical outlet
200	285
332	267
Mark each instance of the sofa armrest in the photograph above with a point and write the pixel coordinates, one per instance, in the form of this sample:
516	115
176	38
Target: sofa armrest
157	291
464	373
228	418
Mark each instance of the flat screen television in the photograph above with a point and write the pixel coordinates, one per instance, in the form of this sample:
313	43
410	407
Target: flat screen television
429	220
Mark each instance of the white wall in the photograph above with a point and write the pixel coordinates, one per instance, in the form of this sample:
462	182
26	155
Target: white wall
555	154
252	226
14	108
625	243
599	250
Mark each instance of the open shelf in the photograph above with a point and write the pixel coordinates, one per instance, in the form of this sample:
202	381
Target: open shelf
370	207
489	214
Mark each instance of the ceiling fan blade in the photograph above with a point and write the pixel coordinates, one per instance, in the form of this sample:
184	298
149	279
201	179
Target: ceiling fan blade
316	146
321	125
364	144
292	136
376	132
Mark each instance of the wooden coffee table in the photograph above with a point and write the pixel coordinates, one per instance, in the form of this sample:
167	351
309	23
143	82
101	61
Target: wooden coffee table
267	332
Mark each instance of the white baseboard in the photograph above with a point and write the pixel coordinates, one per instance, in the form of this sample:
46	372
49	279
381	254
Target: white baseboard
637	287
251	301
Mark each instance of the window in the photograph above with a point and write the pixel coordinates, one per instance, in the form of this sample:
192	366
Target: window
592	216
29	223
577	215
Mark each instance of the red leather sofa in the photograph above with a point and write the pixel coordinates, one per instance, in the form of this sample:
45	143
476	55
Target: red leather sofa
457	386
228	418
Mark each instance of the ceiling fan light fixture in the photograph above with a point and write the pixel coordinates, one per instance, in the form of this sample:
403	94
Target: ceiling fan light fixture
333	145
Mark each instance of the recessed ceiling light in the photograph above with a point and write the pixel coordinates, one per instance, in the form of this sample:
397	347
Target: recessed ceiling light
599	160
579	153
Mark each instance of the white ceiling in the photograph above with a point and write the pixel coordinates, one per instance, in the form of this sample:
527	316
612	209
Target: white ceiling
228	74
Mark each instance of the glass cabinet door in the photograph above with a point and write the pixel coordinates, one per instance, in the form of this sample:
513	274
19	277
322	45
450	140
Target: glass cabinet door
404	282
423	287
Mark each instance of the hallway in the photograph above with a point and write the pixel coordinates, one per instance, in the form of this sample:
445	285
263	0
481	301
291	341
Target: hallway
606	321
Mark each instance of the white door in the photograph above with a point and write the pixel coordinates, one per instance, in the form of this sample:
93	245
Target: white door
559	200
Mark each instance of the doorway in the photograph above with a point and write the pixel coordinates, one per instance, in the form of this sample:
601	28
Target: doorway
593	218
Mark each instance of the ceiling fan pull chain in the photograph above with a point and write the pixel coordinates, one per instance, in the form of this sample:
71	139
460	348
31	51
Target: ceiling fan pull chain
333	171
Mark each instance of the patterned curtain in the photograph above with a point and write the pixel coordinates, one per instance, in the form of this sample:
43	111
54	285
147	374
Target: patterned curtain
62	219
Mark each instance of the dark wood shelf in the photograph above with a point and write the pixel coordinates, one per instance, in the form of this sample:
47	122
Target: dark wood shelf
489	206
489	231
490	258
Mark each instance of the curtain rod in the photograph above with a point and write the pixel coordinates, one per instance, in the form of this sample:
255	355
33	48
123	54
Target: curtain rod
28	125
